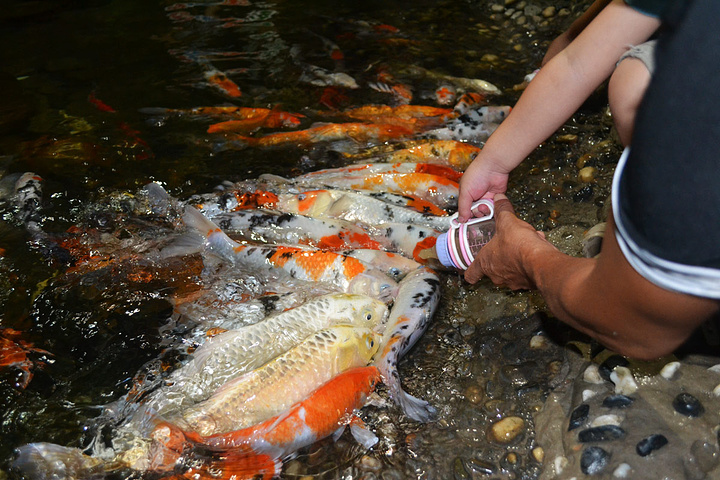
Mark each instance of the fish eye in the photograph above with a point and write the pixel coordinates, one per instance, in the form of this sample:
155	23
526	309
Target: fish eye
370	342
395	272
368	316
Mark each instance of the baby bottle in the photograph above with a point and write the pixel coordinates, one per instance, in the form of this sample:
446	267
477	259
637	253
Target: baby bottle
457	247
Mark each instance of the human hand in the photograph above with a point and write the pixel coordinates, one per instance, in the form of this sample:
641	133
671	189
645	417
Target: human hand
503	258
479	181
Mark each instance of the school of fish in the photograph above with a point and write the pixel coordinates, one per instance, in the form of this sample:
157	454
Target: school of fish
345	254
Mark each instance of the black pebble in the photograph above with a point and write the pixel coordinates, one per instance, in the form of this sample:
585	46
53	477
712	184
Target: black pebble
688	405
578	416
617	401
649	444
594	460
584	194
602	433
606	367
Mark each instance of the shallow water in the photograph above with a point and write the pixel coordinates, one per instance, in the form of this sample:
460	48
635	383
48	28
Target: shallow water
74	83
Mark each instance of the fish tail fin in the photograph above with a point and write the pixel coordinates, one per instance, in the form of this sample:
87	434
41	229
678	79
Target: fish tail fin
203	235
415	408
39	461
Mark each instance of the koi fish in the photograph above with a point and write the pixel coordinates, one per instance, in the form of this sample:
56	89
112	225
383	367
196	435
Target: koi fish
417	299
225	111
235	352
261	118
14	352
469	101
426	186
452	153
445	94
334	269
253	397
258	450
222	83
354	207
466	84
370	112
357	132
381	168
475	126
293	229
394	265
402	94
320	77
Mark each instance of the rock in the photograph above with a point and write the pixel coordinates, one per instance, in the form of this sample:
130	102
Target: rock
549	12
592	374
617	401
688	405
459	472
594	460
507	429
624	381
610	363
649	444
588	394
587	174
604	433
706	454
578	416
606	420
560	463
668	371
538	454
622	471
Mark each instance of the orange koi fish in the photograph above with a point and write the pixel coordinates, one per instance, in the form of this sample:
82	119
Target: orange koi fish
469	101
418	297
452	153
258	450
14	353
445	94
259	118
221	82
357	132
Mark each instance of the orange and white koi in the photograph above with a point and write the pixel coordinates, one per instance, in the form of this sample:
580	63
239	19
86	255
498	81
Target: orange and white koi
381	168
433	188
362	133
445	94
254	396
257	451
452	153
402	94
354	207
469	101
393	264
333	269
222	83
414	306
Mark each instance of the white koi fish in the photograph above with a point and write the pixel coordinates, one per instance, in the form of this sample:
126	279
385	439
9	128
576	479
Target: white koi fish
414	306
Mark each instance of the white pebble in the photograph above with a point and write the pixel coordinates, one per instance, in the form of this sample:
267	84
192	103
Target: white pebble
622	470
560	463
715	368
669	370
624	382
609	419
588	394
538	341
716	391
592	374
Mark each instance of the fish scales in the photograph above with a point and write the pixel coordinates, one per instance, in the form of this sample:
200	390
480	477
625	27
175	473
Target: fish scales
417	299
234	352
381	168
253	397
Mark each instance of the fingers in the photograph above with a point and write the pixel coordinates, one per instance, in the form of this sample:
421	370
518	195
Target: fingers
502	204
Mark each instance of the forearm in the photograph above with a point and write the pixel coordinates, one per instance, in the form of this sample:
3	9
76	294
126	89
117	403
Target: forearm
606	299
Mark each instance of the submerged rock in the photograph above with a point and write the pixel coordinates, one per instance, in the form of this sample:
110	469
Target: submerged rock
688	405
649	444
594	460
578	416
604	433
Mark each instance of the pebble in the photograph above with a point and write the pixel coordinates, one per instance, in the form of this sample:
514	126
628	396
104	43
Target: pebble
668	371
549	12
603	433
624	381
538	454
649	444
610	364
560	463
606	420
588	394
688	405
578	416
706	454
622	470
538	341
507	429
594	460
716	390
715	368
587	174
592	374
617	401
474	394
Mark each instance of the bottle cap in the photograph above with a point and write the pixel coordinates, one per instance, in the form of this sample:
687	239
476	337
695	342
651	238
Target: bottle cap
441	247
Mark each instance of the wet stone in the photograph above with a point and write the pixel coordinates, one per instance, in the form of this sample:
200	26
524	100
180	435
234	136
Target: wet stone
610	363
459	472
578	416
706	454
617	401
649	444
480	466
507	429
688	405
594	460
604	433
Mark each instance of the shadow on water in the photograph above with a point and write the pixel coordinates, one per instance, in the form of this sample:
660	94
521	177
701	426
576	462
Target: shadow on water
76	83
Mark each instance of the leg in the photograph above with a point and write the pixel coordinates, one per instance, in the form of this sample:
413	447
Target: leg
625	91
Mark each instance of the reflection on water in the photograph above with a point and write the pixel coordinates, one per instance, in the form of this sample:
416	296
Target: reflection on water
80	89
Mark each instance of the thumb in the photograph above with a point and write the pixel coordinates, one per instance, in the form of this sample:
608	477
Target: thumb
502	204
